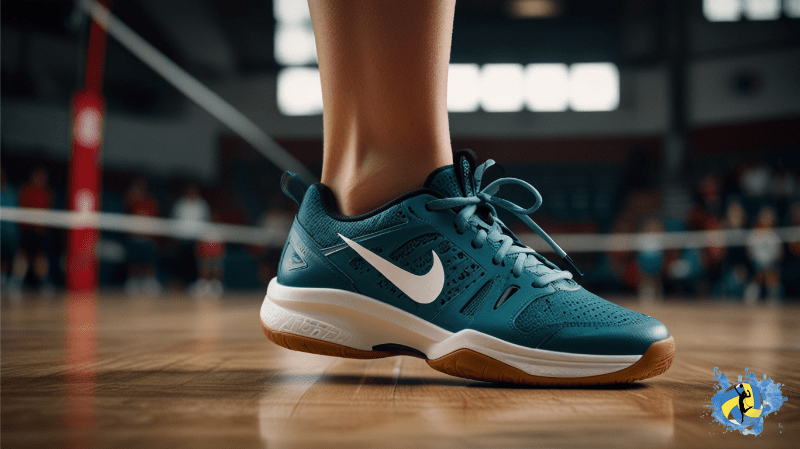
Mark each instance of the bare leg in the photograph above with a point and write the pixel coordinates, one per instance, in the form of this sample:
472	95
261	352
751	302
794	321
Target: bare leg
383	66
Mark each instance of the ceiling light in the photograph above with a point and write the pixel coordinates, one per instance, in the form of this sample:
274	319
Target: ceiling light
463	83
547	87
722	10
291	11
299	91
762	9
594	87
295	45
501	87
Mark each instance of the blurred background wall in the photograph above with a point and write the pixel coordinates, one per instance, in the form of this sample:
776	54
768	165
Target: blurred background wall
701	98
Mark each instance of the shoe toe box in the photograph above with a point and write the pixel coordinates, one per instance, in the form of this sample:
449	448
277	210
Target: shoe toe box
631	339
583	323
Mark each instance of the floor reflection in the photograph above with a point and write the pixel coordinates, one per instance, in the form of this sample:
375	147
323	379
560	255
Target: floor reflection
81	379
207	326
362	403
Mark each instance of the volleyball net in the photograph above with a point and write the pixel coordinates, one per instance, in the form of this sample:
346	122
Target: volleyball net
272	237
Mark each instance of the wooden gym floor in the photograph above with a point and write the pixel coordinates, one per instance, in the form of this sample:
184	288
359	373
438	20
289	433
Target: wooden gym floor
174	372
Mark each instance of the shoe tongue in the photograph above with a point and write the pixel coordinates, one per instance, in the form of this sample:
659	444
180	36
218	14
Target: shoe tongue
455	180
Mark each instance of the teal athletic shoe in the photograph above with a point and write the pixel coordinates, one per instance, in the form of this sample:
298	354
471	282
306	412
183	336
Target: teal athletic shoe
435	274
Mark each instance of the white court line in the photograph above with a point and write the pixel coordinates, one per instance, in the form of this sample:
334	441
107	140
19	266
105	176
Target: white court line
195	90
262	236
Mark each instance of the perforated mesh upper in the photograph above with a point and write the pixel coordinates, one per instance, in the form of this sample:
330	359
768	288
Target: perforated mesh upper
325	229
360	265
460	269
472	306
577	308
411	245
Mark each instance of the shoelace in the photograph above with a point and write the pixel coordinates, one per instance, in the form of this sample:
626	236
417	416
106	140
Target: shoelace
525	256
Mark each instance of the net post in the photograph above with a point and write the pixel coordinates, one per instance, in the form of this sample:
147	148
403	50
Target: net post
84	173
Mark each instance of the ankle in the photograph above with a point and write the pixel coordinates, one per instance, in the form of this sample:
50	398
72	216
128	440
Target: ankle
362	186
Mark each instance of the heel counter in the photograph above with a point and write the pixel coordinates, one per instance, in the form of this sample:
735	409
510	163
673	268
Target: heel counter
291	260
302	264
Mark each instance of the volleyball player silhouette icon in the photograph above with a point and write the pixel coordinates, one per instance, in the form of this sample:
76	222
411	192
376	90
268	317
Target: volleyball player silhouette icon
744	394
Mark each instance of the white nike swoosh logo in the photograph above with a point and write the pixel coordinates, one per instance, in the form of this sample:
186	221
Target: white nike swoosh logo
423	289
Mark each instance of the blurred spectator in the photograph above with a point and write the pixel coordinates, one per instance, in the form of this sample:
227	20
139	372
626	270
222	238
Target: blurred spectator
684	266
34	240
756	180
713	259
192	211
142	253
9	231
210	256
651	260
705	215
765	249
735	270
791	266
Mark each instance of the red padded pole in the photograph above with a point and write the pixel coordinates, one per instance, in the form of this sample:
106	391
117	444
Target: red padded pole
84	177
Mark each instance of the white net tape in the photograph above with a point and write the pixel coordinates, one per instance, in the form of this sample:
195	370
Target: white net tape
272	237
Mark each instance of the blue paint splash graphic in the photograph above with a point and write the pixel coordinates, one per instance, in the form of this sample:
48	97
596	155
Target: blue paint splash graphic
771	398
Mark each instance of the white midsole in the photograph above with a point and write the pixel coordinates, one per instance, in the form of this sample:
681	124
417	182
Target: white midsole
360	322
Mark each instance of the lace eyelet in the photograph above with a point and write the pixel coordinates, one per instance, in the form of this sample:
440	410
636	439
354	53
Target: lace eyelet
495	262
427	208
474	246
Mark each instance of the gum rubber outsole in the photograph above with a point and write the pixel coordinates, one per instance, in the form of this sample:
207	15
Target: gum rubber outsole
470	364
